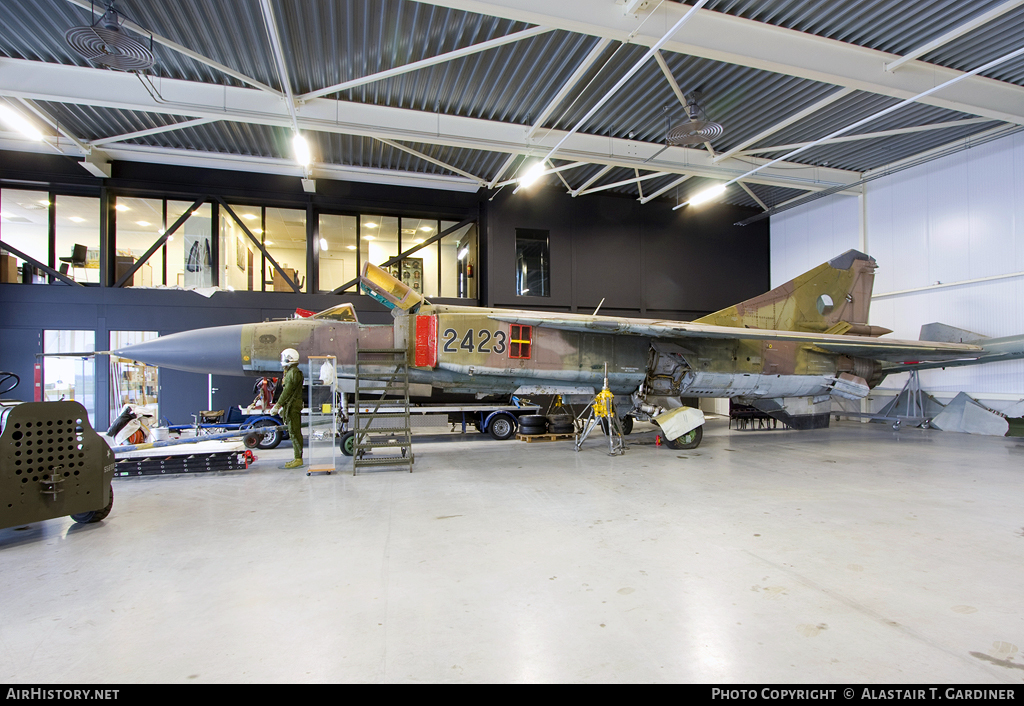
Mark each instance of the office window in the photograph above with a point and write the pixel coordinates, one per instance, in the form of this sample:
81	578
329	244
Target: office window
140	222
131	382
78	226
533	266
338	252
285	240
24	223
190	254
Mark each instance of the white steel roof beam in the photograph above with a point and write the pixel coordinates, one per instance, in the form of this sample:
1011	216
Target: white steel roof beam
736	40
424	63
871	135
591	180
782	124
430	159
663	189
752	195
152	131
111	89
955	33
576	77
635	180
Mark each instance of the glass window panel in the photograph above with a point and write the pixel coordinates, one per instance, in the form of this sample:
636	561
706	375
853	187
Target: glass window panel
131	382
458	262
378	240
190	253
24	223
533	266
139	224
78	223
338	258
73	377
414	232
285	239
241	260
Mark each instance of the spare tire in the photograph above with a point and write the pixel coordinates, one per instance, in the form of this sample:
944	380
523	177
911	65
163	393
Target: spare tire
533	420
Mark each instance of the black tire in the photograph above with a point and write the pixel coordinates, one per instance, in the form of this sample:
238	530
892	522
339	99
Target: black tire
268	439
562	429
348	443
689	440
533	420
252	439
627	425
502	427
532	431
84	518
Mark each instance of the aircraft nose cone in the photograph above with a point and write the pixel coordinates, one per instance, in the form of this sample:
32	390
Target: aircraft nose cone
217	351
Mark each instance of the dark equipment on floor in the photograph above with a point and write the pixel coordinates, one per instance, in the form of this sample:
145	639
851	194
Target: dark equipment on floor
52	464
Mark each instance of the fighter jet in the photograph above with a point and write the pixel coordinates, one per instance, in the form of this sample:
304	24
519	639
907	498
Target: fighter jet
787	352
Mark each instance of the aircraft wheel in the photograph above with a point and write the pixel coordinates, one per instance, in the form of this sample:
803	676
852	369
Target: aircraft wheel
268	439
503	427
348	443
84	518
627	424
689	440
251	440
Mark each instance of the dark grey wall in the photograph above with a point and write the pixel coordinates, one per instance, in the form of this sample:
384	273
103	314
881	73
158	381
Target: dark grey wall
645	260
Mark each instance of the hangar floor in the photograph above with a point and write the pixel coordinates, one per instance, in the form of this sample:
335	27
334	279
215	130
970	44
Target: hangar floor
852	554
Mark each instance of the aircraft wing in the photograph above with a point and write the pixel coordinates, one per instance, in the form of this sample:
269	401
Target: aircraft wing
906	354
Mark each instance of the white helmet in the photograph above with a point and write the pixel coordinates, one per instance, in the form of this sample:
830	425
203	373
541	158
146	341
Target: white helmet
289	356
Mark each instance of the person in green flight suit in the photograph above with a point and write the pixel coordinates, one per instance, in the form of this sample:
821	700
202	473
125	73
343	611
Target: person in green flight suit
289	404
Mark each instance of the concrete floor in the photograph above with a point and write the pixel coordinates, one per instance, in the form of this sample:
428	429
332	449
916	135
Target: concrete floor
851	554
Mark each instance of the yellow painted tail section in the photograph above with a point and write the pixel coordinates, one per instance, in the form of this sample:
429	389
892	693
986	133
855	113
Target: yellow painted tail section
834	297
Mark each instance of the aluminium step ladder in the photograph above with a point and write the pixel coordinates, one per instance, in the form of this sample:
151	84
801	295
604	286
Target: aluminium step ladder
383	371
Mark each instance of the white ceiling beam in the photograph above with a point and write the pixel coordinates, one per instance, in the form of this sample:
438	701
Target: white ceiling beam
112	89
935	89
424	63
635	180
151	131
100	8
569	85
671	79
735	40
782	124
955	33
690	12
79	144
753	195
428	158
504	168
591	180
663	189
550	170
266	165
871	135
282	66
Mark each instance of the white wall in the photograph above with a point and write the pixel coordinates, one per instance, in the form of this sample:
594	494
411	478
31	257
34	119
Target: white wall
803	238
949	221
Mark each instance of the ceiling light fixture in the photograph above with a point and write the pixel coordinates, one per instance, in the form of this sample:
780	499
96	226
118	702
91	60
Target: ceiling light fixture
368	237
249	216
370	224
121	207
706	195
301	148
142	223
351	247
463	253
19	123
532	174
323	244
77	219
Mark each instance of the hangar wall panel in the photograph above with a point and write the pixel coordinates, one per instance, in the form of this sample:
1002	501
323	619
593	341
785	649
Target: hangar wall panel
803	238
957	219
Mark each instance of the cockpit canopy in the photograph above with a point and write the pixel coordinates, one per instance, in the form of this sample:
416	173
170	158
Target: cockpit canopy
342	312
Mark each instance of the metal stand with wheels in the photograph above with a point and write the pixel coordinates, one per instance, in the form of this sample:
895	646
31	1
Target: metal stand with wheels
322	422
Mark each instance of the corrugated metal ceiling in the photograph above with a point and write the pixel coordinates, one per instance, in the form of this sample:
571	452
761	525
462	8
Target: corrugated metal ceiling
326	42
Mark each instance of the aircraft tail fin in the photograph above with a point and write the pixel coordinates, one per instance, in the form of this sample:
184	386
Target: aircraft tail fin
832	298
